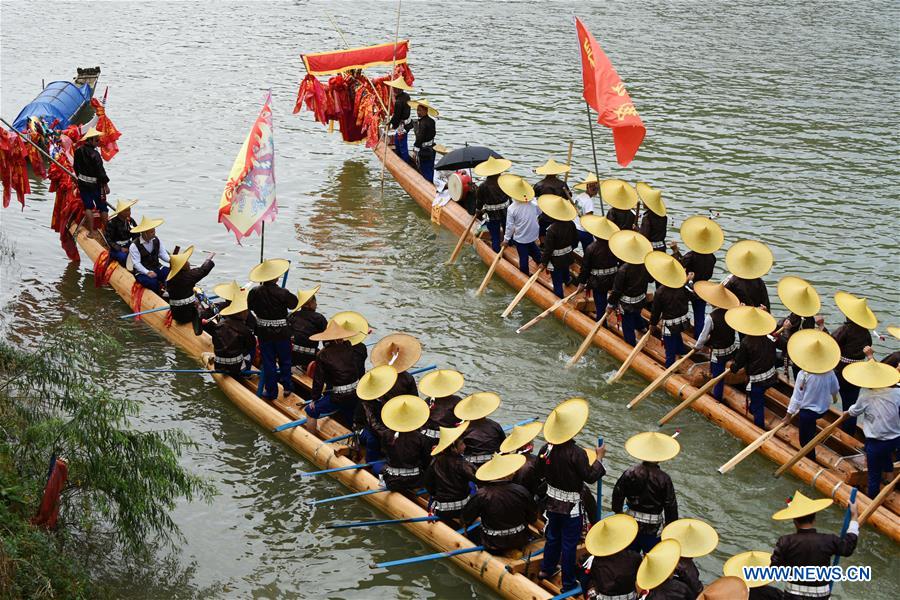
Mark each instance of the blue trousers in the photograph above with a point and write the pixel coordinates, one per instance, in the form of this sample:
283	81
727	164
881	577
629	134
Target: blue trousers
120	256
699	307
716	369
560	278
527	251
674	346
562	533
495	228
806	424
325	407
758	403
644	542
369	440
879	459
273	352
426	164
585	239
600	293
630	322
849	396
152	283
400	146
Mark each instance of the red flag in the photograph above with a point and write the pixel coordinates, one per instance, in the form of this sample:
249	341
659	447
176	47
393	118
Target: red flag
605	93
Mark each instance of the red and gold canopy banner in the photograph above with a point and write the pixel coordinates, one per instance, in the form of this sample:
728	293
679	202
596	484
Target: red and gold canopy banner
605	93
329	63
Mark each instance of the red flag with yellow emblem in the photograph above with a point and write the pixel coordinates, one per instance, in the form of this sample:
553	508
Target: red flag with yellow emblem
605	93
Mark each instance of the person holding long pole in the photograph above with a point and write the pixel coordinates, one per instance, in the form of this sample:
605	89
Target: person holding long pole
561	237
93	183
716	333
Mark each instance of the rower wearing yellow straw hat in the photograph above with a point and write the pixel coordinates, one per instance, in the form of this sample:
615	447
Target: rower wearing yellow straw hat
91	179
566	468
355	322
816	386
551	184
407	451
801	298
622	198
759	588
335	377
234	342
748	261
374	388
599	265
756	354
147	253
584	204
401	351
560	239
484	435
646	488
671	314
449	477
612	566
629	289
271	304
654	220
852	337
697	538
441	387
490	199
400	115
521	441
506	509
118	230
180	283
716	332
657	570
809	548
703	237
305	321
522	227
425	130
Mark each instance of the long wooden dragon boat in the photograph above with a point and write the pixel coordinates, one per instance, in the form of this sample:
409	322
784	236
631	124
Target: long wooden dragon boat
839	463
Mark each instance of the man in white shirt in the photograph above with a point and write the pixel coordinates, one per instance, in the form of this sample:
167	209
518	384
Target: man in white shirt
521	220
584	203
813	395
147	254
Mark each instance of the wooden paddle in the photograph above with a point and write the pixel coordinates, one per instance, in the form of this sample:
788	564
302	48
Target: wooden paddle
461	241
522	292
879	499
660	380
541	316
568	162
587	341
490	273
692	398
810	445
638	347
762	439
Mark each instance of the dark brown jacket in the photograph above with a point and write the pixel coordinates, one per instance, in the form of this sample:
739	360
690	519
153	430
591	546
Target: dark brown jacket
648	489
270	302
809	547
182	286
501	505
565	467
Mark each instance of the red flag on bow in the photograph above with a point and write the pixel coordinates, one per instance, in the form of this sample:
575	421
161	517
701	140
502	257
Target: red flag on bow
605	93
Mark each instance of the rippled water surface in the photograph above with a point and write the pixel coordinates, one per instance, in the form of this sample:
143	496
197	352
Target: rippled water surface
780	116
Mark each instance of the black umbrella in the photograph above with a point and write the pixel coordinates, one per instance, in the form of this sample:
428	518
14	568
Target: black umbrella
465	158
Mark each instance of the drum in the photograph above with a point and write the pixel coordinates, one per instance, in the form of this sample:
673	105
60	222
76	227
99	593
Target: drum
459	184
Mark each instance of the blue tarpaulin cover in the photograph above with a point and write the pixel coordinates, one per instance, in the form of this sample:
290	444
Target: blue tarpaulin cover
60	100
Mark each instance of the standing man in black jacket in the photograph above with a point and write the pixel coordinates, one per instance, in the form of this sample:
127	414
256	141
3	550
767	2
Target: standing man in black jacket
92	181
425	130
400	116
271	304
561	237
180	284
703	237
305	321
852	338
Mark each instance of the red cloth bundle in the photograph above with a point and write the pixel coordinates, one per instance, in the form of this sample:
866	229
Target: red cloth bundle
67	206
48	511
314	95
103	269
108	145
13	167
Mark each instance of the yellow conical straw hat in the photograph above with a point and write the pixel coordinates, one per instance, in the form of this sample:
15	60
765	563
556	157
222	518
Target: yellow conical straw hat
238	304
376	382
177	262
611	535
441	383
406	347
448	436
716	294
726	588
591	178
269	270
227	291
146	225
652	446
750	320
734	566
332	332
618	194
894	331
854	308
630	246
404	413
432	111
697	538
521	435
702	234
557	207
749	259
599	227
304	296
502	465
492	166
798	296
566	420
476	406
91	133
551	167
516	188
355	322
871	374
665	269
652	198
399	83
801	506
122	205
658	564
814	351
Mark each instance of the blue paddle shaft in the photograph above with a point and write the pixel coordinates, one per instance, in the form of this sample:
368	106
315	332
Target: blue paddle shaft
599	487
427	557
338	469
383	522
573	592
290	425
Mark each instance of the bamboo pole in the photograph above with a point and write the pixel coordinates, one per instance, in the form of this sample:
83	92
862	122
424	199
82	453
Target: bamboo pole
491	269
39	149
634	352
740	456
549	310
462	237
387	114
692	398
811	444
587	341
660	379
879	499
522	292
568	162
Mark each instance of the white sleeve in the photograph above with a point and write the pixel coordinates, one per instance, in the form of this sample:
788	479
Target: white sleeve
510	229
853	528
135	255
797	397
704	334
163	253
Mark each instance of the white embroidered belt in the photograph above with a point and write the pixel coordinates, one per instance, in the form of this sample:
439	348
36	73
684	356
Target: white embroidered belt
847	361
343	389
272	322
807	591
628	596
398	472
726	351
563	495
632	299
647	518
658	245
181	301
763	376
500	206
427	144
122	242
499	532
562	251
229	360
448	506
478	459
87	179
604	272
432	433
677	320
303	349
